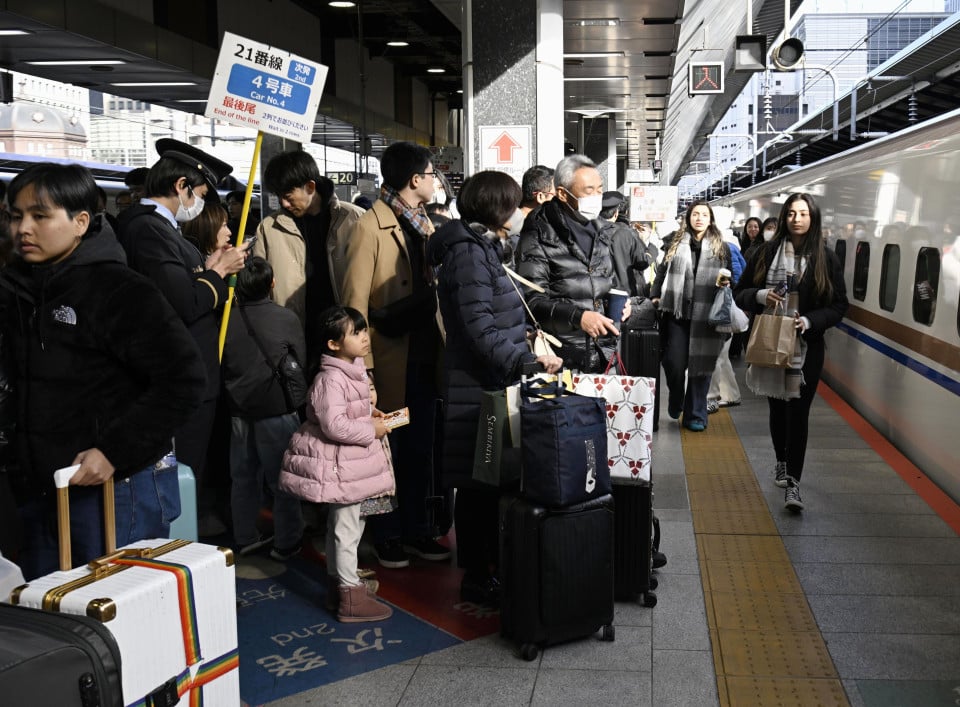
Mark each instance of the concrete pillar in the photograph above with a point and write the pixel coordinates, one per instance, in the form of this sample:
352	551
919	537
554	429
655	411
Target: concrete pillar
513	76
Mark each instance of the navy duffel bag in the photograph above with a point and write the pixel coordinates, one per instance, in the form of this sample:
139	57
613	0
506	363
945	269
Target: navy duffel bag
563	446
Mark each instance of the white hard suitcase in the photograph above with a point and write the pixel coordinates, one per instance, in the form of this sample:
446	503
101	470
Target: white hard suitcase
170	605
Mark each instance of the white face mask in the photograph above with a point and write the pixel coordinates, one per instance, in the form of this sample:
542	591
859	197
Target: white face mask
188	213
515	224
768	235
590	206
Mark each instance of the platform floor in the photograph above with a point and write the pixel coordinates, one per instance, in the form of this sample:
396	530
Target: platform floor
856	601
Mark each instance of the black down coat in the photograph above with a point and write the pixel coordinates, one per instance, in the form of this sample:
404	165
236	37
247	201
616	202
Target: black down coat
575	283
100	359
486	336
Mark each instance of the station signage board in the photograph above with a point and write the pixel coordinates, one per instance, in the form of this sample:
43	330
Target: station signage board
506	148
653	203
268	89
704	77
343	178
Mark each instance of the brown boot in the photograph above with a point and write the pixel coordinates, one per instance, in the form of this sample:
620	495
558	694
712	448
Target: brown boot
357	604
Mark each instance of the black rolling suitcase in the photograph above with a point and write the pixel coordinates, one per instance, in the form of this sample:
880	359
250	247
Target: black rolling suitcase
556	572
57	660
633	544
640	350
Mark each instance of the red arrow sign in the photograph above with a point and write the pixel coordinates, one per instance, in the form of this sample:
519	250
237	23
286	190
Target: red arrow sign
504	145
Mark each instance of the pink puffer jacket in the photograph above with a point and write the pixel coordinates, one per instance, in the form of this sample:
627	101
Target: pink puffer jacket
335	456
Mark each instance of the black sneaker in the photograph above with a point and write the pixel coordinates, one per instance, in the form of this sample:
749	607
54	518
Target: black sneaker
428	549
281	554
257	545
391	555
484	591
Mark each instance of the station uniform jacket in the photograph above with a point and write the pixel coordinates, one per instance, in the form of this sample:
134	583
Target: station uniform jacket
486	337
158	250
575	282
101	360
282	245
335	456
378	272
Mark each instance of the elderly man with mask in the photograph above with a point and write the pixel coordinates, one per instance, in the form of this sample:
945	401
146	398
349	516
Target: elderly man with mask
565	250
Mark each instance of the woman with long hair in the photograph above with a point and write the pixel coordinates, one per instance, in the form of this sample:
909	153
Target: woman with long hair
684	289
795	269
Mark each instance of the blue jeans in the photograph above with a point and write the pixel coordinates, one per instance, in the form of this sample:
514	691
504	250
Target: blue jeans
256	453
146	503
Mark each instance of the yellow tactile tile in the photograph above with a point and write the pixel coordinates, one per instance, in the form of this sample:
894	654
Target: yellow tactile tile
729	501
734	522
784	692
722	691
750	577
774	654
723	483
781	613
742	548
716	465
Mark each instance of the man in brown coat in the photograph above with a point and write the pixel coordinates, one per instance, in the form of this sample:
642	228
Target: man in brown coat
387	278
304	240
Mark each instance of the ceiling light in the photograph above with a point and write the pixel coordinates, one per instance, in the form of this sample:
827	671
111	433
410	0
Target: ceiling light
341	3
77	62
13	32
596	22
594	78
398	44
459	90
134	84
436	71
191	100
592	55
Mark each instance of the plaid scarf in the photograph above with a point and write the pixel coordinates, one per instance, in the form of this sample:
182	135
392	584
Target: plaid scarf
416	218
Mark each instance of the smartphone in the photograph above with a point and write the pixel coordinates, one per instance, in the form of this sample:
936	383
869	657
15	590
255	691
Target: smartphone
249	241
781	289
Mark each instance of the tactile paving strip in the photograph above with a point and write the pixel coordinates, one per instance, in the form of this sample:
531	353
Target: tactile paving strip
767	647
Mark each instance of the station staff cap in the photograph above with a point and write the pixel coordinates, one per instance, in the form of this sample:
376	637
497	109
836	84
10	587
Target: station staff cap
212	169
611	199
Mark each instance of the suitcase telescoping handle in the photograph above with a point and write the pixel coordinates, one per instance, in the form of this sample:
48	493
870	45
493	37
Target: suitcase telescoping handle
61	479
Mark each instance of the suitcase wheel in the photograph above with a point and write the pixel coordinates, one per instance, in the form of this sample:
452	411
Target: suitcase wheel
654	583
607	633
649	600
529	651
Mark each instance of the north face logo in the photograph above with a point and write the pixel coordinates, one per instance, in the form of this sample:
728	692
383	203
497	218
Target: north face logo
65	315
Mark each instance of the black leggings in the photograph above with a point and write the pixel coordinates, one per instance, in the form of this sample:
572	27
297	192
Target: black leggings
789	419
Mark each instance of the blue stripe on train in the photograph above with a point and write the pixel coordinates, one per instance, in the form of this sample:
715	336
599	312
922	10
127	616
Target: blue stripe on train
903	359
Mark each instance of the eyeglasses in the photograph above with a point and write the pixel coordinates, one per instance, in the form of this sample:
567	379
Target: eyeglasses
427	174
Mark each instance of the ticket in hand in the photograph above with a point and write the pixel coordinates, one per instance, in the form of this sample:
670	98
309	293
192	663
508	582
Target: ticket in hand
397	418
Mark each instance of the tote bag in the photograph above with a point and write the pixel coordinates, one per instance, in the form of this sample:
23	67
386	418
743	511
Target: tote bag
772	340
563	448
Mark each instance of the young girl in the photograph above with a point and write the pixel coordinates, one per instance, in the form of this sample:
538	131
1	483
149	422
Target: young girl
337	457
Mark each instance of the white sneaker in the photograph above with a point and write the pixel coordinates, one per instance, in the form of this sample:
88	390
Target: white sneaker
791	498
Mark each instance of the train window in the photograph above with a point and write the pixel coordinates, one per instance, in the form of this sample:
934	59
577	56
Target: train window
861	269
889	276
841	250
926	281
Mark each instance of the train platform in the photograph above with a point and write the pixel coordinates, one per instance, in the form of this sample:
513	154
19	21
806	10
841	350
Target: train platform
854	602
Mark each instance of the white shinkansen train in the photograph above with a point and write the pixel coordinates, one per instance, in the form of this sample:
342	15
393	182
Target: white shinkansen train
891	209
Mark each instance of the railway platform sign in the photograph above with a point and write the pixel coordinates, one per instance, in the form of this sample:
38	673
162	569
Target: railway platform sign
268	89
704	77
506	148
652	203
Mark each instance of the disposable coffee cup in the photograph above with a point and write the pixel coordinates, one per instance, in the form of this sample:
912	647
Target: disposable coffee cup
723	277
615	304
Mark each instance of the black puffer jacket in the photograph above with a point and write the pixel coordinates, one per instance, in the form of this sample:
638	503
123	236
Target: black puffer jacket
575	283
485	324
100	360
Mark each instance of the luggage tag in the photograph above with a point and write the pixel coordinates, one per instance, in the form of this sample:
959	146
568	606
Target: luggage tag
397	418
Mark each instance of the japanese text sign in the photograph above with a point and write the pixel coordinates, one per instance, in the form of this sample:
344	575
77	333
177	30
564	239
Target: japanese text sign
265	88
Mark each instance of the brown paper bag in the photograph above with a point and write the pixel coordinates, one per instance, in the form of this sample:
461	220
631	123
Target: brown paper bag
772	340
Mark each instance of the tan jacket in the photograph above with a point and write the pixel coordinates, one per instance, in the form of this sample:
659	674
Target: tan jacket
377	273
283	246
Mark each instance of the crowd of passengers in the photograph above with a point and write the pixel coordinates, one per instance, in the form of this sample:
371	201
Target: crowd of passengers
112	359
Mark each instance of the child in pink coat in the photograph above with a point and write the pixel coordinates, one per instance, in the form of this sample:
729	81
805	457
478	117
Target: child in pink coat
338	457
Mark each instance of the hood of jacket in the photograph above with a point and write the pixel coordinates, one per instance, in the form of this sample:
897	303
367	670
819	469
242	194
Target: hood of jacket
453	233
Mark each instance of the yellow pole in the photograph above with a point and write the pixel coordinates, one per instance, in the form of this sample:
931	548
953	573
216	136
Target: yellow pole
232	280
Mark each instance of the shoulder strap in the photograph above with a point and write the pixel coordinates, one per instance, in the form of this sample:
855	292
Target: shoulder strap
256	339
